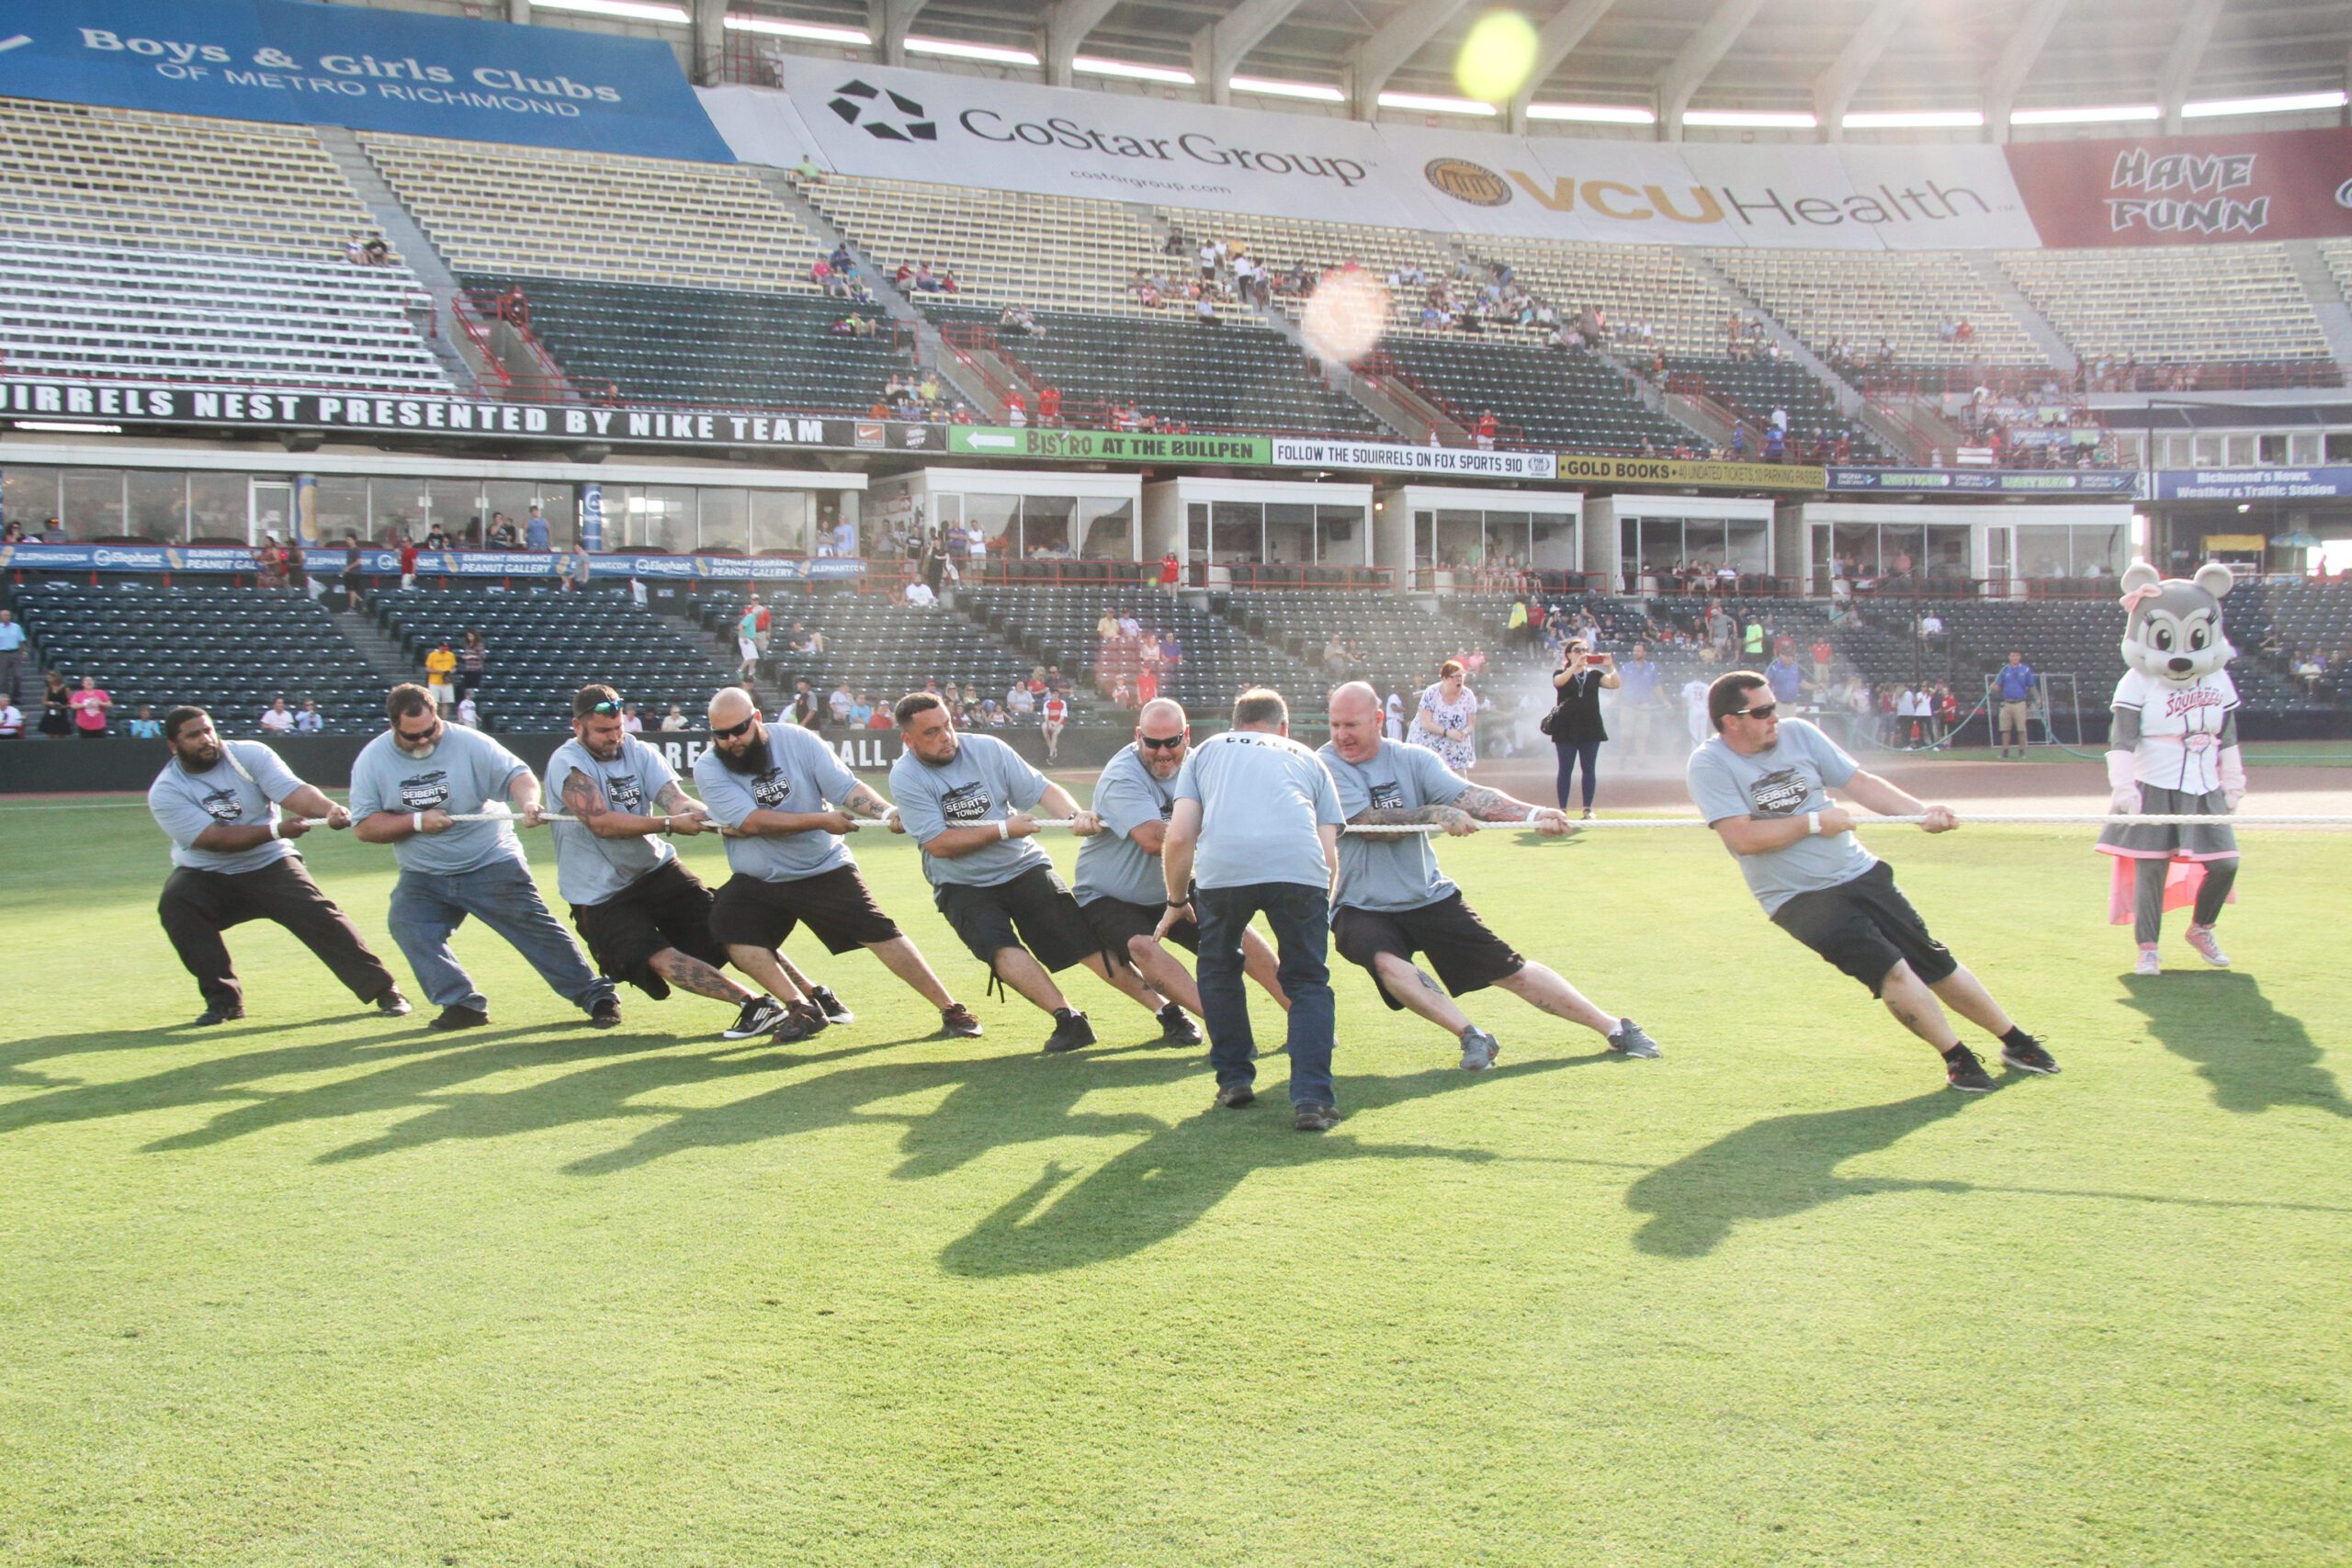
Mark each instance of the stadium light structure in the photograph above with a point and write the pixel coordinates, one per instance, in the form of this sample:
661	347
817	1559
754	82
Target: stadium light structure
1752	120
1273	87
813	33
1428	103
1133	71
2097	114
2280	103
622	10
1593	113
954	48
1913	119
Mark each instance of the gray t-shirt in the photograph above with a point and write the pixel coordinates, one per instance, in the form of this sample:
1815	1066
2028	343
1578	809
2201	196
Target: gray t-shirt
985	782
1263	796
800	772
589	870
1790	780
239	791
1391	870
467	771
1112	864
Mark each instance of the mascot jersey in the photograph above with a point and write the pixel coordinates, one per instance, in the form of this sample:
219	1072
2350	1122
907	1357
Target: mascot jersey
2180	728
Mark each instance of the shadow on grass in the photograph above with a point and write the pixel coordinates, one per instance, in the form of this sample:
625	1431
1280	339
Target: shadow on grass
1773	1169
2252	1055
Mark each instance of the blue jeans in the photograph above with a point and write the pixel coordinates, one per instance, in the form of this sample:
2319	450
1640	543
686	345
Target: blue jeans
1571	752
1300	918
426	907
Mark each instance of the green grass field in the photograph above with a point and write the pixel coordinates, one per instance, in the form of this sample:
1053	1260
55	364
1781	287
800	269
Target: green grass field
326	1289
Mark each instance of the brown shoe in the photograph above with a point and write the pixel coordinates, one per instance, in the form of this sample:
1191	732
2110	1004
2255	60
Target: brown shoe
958	1022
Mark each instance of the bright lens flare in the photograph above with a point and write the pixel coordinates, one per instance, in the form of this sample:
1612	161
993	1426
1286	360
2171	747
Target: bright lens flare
1498	56
1346	316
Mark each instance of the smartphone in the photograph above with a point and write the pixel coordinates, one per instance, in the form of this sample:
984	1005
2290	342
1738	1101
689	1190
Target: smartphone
1596	658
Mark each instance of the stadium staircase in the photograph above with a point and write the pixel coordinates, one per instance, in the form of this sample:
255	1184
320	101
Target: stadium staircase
2010	297
2325	288
1057	626
466	365
883	650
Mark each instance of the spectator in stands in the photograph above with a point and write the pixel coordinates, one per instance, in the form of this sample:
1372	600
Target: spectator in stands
747	641
90	704
1050	406
1575	723
1751	642
269	563
1785	679
1122	694
535	531
435	539
12	718
13	534
1447	719
307	719
1019	703
1821	653
439	665
56	706
278	718
879	717
841	703
473	659
1930	625
920	596
52	532
1204	311
1946	711
408	563
577	580
12	653
806	711
502	532
380	254
1052	719
468	713
146	727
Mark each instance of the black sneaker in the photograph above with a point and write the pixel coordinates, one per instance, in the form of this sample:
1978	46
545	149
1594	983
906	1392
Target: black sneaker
799	1022
958	1021
606	1013
1313	1116
1071	1031
1176	1028
1233	1096
392	1004
226	1012
1964	1071
759	1015
831	1006
2028	1058
457	1015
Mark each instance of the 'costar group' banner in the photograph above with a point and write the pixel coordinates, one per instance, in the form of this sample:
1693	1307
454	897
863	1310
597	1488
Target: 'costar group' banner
2189	190
297	64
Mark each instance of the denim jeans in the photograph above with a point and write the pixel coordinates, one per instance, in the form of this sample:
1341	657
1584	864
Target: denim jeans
1299	917
426	907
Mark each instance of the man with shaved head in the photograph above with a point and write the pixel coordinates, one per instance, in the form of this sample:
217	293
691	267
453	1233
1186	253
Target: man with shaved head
1119	887
1393	902
785	800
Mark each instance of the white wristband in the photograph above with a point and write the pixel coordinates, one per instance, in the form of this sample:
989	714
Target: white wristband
272	827
1003	829
416	821
1534	812
1813	824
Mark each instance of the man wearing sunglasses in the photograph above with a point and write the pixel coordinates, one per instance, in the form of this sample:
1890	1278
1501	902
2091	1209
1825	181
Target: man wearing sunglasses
645	917
1119	887
768	789
966	800
1763	783
408	788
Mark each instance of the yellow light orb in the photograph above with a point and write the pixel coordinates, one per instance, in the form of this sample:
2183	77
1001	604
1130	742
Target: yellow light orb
1498	56
1345	317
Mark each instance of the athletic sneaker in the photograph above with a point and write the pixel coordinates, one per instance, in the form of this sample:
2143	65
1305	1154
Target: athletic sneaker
831	1006
1071	1031
1176	1028
392	1004
1964	1071
1633	1039
2150	963
1479	1049
1314	1116
1233	1096
760	1015
457	1015
2208	948
2028	1058
799	1022
606	1013
226	1013
957	1021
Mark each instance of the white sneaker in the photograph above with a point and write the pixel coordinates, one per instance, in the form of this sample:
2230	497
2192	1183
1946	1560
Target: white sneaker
2150	963
2202	938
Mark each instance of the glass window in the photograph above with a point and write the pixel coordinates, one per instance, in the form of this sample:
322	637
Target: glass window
1425	539
1343	535
28	496
219	508
2043	550
158	507
1661	545
1705	543
779	521
1045	524
2270	449
2100	552
1947	551
2179	451
2240	450
339	507
726	522
93	502
1107	526
1552	538
2339	445
2302	447
661	517
1290	533
1507	539
1237	531
2209	451
455	506
1461	539
1196	531
2130	449
397	510
1747	547
998	519
1855	546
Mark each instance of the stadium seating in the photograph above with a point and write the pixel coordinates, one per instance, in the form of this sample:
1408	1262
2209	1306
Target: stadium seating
1629	284
665	343
1865	299
1057	625
882	649
1752	388
497	209
544	646
227	650
1547	395
2190	305
162	247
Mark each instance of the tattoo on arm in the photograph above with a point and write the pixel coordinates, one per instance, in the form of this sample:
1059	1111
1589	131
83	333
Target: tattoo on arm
582	798
863	801
1489	805
1399	815
674	800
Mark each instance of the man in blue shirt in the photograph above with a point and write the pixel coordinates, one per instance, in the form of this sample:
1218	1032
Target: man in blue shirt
408	788
535	531
1256	827
784	800
1393	902
1118	883
234	861
2016	681
12	653
645	917
1785	678
1763	784
967	799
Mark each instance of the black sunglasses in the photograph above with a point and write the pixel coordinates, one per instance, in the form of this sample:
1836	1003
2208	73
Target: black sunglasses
1767	711
1168	744
730	733
607	709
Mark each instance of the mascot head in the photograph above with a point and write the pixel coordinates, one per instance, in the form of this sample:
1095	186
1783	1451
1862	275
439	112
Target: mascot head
2172	626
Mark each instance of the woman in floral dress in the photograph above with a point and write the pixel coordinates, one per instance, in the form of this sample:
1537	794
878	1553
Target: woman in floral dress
1448	720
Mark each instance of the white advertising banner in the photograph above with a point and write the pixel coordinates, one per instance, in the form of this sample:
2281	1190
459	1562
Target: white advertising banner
759	124
1452	462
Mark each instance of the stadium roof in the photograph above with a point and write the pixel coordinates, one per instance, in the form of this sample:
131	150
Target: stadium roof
1823	59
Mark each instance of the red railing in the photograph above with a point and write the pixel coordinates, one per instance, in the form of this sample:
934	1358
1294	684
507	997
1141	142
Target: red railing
1517	582
1384	367
1260	577
2019	381
475	308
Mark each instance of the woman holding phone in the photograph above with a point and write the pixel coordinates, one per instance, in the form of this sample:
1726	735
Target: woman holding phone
1575	723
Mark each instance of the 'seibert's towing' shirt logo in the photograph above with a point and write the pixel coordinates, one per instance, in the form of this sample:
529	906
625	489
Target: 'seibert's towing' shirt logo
222	805
426	791
1779	793
772	789
964	805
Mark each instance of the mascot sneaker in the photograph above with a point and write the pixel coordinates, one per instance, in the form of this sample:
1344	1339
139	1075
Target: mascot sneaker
2201	939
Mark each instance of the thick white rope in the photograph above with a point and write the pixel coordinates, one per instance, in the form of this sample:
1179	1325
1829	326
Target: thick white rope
1993	819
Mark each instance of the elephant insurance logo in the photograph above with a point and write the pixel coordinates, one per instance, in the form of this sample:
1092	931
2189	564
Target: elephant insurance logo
1465	181
425	792
1779	793
222	805
884	115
